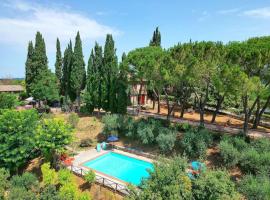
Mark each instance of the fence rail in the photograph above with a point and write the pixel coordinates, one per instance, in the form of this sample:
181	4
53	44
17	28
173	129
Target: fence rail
117	187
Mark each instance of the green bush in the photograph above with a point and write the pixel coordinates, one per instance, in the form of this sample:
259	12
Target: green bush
168	180
49	192
261	145
195	142
230	155
214	184
111	124
255	188
4	183
26	180
64	176
68	191
73	119
166	139
19	193
251	161
90	177
8	101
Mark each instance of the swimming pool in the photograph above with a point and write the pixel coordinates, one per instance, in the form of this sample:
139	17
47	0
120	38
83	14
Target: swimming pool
123	167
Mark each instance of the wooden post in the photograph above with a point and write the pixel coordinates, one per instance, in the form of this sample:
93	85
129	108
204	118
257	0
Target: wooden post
81	172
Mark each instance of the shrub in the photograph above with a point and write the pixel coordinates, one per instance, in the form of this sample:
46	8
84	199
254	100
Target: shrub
68	191
87	142
146	133
26	180
4	183
64	176
84	196
251	161
166	139
49	175
168	180
73	119
49	192
8	101
214	185
230	155
261	145
111	124
255	188
18	193
90	177
195	142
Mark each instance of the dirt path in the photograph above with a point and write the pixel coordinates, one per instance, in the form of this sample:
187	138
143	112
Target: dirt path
212	127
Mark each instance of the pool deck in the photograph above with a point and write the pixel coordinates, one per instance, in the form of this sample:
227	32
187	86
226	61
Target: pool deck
85	156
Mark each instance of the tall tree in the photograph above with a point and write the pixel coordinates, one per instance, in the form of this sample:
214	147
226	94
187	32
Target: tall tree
58	62
95	89
67	64
28	67
121	88
156	39
110	70
77	74
39	59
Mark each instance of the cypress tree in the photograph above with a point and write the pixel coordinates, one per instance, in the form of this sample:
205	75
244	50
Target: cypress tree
39	59
156	39
58	62
67	64
77	74
122	88
28	68
111	69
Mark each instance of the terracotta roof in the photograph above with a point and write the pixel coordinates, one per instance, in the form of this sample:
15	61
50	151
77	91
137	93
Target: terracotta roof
11	88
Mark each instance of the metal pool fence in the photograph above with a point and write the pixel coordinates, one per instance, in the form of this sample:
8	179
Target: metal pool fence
117	187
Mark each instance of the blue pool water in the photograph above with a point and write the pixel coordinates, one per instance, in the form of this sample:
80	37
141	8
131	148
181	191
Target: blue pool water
123	167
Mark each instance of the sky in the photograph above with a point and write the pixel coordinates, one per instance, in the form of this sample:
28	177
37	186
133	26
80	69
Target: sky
131	22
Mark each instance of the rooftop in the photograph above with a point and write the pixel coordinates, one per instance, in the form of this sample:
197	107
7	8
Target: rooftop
11	88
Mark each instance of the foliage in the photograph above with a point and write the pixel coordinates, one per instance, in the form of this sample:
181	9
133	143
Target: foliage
49	176
17	129
84	196
111	124
77	71
4	183
73	119
168	180
45	87
58	62
52	136
49	192
8	101
194	142
18	193
147	130
64	176
90	177
214	185
255	187
166	139
68	191
156	40
26	180
230	155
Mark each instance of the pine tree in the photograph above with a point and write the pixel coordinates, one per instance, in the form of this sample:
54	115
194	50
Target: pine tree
58	62
77	75
111	69
28	68
156	39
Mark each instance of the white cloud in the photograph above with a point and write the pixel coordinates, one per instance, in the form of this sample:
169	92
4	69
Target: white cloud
52	22
258	13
